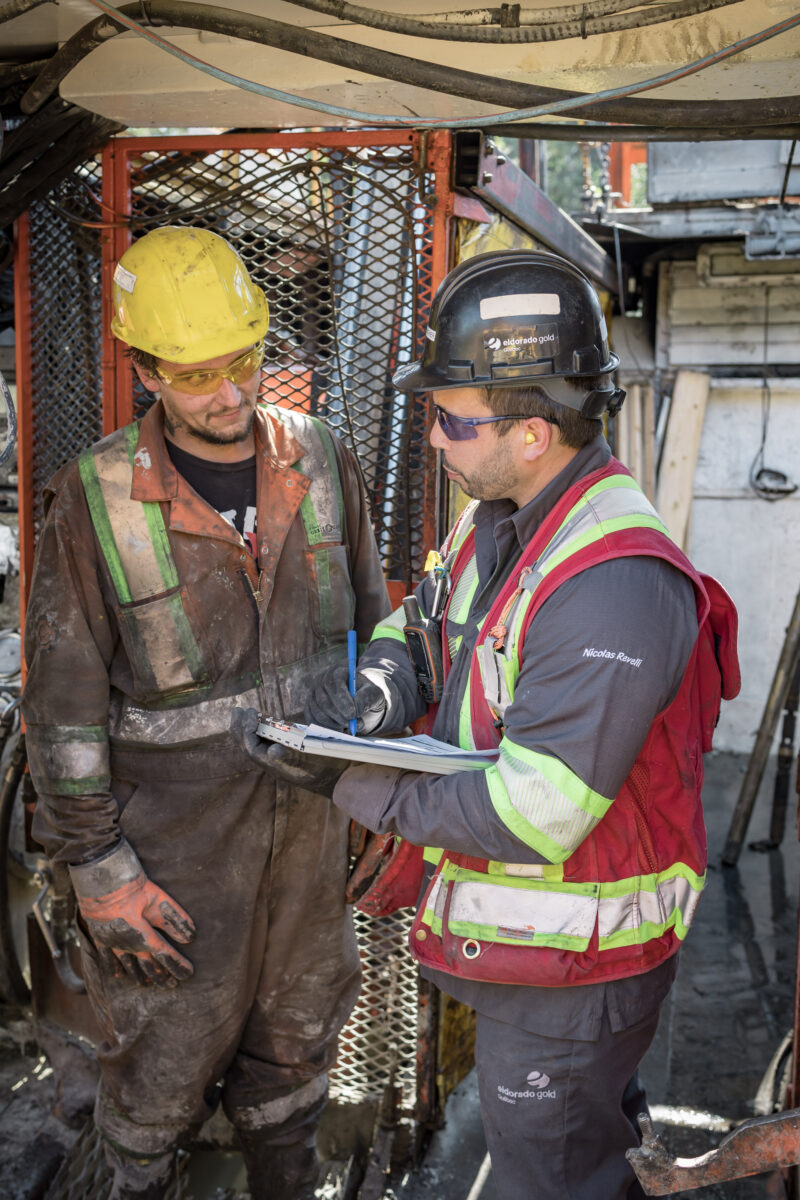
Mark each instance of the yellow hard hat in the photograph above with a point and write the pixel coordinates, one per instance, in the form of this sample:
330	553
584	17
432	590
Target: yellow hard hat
185	295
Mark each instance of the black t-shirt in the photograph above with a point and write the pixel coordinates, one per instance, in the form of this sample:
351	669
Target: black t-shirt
230	488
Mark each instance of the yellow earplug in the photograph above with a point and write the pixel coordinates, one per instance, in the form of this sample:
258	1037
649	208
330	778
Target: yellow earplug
529	437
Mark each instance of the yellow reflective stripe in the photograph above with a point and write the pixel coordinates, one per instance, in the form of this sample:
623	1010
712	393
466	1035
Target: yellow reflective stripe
542	801
651	906
431	854
391	627
601	530
533	912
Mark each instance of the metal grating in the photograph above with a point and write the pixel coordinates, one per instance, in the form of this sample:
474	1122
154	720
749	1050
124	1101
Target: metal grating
338	240
378	1045
66	311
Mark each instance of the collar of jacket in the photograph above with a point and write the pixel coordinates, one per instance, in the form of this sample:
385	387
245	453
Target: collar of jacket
155	477
280	489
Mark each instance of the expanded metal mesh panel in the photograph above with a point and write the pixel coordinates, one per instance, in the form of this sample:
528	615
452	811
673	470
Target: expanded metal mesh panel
379	1043
339	240
65	408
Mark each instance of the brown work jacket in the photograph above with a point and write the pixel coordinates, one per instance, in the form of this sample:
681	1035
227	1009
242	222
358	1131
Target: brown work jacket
96	725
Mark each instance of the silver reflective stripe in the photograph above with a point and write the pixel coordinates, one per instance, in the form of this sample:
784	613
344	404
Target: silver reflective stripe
276	1112
128	521
607	505
493	678
543	804
522	913
639	907
68	760
172	726
322	493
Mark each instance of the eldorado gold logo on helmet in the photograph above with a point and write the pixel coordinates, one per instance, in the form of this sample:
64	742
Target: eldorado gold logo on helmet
519	345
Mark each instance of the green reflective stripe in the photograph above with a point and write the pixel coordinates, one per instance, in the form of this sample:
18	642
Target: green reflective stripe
465	738
186	639
391	627
90	785
526	871
646	932
76	733
464	594
308	513
542	801
649	883
159	539
605	485
596	534
323	576
431	854
105	534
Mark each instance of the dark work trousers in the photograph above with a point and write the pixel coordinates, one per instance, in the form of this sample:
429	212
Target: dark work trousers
262	869
558	1114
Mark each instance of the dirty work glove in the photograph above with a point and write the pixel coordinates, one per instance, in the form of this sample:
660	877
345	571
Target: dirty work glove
332	706
309	771
123	911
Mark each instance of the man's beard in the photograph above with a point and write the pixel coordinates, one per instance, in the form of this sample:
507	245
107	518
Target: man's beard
220	438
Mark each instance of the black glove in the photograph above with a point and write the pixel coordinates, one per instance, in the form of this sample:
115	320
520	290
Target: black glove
309	771
332	706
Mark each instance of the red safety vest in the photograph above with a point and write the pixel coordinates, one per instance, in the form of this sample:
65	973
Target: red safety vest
619	902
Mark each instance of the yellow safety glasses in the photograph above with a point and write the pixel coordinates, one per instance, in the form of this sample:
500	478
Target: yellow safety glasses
205	382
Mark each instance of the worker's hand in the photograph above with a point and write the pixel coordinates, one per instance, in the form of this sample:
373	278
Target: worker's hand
309	771
332	706
123	911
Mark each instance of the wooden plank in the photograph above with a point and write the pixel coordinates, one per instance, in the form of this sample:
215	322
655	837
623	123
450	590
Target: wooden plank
622	426
649	437
676	477
636	460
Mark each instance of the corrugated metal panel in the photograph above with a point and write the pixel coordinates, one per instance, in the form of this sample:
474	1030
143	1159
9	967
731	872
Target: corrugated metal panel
744	322
682	171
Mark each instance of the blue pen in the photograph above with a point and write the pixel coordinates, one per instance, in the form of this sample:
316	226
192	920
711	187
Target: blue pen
352	655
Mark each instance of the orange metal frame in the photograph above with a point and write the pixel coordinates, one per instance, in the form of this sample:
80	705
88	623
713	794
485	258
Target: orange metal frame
433	153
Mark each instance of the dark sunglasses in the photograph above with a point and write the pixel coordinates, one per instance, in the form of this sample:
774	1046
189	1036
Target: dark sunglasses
462	429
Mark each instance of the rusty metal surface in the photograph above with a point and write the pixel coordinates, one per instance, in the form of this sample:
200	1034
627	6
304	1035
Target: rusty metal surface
762	1144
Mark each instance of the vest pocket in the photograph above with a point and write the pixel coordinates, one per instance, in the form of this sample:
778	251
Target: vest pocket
534	914
333	610
164	653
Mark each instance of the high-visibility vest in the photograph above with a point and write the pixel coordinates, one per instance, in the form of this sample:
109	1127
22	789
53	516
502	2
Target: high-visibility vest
136	547
625	873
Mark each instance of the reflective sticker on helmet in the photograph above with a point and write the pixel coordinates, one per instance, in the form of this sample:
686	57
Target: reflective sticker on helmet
521	304
521	345
430	334
124	279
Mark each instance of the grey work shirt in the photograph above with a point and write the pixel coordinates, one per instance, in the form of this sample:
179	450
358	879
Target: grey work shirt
589	711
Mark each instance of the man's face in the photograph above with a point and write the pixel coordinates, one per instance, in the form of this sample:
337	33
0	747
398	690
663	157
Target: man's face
220	418
483	466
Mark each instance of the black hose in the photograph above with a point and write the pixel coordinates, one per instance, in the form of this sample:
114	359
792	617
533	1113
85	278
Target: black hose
15	8
507	28
381	63
553	131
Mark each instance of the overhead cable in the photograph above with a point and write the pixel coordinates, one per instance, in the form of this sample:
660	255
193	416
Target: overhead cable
510	24
15	8
612	104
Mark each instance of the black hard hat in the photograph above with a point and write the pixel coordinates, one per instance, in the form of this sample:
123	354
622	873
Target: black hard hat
516	317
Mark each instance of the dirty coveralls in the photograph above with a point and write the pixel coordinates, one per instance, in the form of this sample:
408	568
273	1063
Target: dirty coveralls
260	866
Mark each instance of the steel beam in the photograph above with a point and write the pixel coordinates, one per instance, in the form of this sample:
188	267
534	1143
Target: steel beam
503	186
